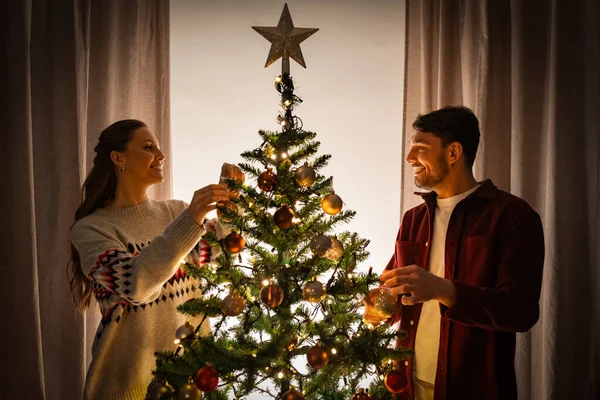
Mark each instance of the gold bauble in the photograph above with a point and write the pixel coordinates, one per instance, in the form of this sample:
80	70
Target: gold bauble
336	251
234	243
386	303
317	357
305	176
189	391
332	204
230	207
292	395
267	180
271	295
156	390
314	291
233	304
320	244
283	217
184	331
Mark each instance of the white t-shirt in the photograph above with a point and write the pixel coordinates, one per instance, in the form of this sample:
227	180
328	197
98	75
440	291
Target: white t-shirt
427	341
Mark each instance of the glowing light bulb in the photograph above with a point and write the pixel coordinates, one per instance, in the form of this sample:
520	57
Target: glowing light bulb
278	79
176	341
287	102
333	351
273	157
265	282
284	155
280	375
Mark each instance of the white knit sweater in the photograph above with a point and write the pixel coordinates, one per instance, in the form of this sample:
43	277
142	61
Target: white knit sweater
133	256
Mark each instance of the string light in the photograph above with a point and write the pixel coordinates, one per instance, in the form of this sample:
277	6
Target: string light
278	79
265	282
333	351
273	157
287	102
284	155
176	341
280	375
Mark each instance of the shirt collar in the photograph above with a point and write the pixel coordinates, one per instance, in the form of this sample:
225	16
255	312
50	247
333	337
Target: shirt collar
486	190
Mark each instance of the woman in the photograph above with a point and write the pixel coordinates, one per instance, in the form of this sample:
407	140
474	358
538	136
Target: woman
126	252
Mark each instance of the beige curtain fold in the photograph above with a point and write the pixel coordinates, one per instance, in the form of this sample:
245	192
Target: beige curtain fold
529	70
73	68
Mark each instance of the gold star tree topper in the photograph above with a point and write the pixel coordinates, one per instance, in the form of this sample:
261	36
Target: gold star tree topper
285	40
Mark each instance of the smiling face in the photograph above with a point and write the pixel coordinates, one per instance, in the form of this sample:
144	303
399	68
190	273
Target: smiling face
429	159
143	160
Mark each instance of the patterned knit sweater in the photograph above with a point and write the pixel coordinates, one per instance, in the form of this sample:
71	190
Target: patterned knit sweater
133	256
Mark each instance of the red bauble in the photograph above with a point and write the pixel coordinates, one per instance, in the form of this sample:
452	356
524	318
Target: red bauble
395	381
207	379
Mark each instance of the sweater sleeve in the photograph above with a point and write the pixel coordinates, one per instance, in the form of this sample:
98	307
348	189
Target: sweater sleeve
135	275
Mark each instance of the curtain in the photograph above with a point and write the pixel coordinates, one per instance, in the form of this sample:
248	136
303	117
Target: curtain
529	70
72	68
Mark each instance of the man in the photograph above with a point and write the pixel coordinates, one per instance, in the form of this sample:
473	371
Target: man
467	267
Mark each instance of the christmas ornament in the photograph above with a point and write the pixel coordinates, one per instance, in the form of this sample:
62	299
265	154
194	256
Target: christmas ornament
320	244
189	391
233	193
271	295
332	204
292	394
230	207
207	379
184	331
386	303
314	291
336	251
293	343
283	217
395	381
267	180
317	357
156	390
362	394
305	176
234	243
233	304
285	41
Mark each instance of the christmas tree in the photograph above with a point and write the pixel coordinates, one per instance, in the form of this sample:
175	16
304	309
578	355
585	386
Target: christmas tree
286	320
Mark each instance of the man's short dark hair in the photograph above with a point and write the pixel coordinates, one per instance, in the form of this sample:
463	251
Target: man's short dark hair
453	124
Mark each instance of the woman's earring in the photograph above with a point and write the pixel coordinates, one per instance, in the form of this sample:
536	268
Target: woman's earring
122	168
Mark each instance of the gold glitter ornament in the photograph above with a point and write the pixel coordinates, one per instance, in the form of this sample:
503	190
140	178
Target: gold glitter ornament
189	391
285	40
386	303
271	295
314	291
320	244
233	304
317	357
184	331
332	204
305	176
336	251
230	207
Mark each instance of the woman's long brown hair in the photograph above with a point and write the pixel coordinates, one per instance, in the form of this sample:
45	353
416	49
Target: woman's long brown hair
98	189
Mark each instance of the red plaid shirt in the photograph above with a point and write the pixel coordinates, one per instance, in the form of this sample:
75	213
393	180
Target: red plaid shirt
494	255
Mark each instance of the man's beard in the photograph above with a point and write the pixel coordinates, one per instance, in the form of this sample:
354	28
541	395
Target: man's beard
426	180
